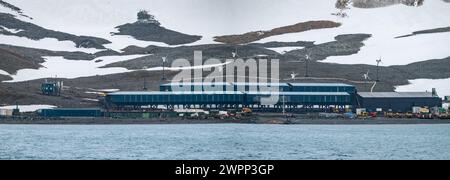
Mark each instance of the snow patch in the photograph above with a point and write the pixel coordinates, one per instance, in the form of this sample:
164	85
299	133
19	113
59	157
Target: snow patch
14	31
441	85
187	68
446	105
214	18
63	68
2	72
401	51
91	92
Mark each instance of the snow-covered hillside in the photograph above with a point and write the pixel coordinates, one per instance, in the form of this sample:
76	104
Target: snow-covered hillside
62	68
58	67
210	18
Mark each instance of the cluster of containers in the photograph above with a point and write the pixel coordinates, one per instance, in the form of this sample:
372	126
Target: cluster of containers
52	88
71	112
258	87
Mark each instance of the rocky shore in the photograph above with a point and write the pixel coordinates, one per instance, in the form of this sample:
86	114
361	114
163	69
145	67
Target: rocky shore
251	120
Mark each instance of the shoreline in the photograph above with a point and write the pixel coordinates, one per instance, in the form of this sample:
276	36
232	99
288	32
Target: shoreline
261	120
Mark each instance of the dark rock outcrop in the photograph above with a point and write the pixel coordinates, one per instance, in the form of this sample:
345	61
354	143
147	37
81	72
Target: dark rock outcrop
428	31
155	32
385	3
258	35
35	32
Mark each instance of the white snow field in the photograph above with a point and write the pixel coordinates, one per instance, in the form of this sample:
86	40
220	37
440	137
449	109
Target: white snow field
62	68
442	86
283	50
46	43
2	72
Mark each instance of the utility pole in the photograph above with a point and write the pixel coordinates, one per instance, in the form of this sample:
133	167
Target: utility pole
378	69
306	65
164	70
284	104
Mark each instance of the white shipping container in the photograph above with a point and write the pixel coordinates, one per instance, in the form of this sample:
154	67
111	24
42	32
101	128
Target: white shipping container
9	112
6	112
416	110
360	111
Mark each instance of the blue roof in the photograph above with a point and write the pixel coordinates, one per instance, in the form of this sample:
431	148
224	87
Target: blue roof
197	84
255	84
322	84
72	109
227	93
396	94
171	92
301	93
224	84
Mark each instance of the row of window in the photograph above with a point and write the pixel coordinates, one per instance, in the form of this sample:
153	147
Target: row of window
257	88
306	99
178	98
231	98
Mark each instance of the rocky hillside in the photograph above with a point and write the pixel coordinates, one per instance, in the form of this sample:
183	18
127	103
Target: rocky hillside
13	8
156	33
124	52
258	35
11	62
384	3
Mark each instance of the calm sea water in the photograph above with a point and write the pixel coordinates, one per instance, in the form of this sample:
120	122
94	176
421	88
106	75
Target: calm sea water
224	141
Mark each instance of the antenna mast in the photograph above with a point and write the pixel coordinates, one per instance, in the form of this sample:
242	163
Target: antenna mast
378	69
164	66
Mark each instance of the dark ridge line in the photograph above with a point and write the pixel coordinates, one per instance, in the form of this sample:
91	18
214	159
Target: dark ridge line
428	31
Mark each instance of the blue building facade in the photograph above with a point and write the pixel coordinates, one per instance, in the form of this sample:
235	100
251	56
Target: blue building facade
211	95
71	112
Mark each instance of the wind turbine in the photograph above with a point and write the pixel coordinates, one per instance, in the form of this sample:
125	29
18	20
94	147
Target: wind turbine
307	58
366	75
164	66
293	75
235	53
